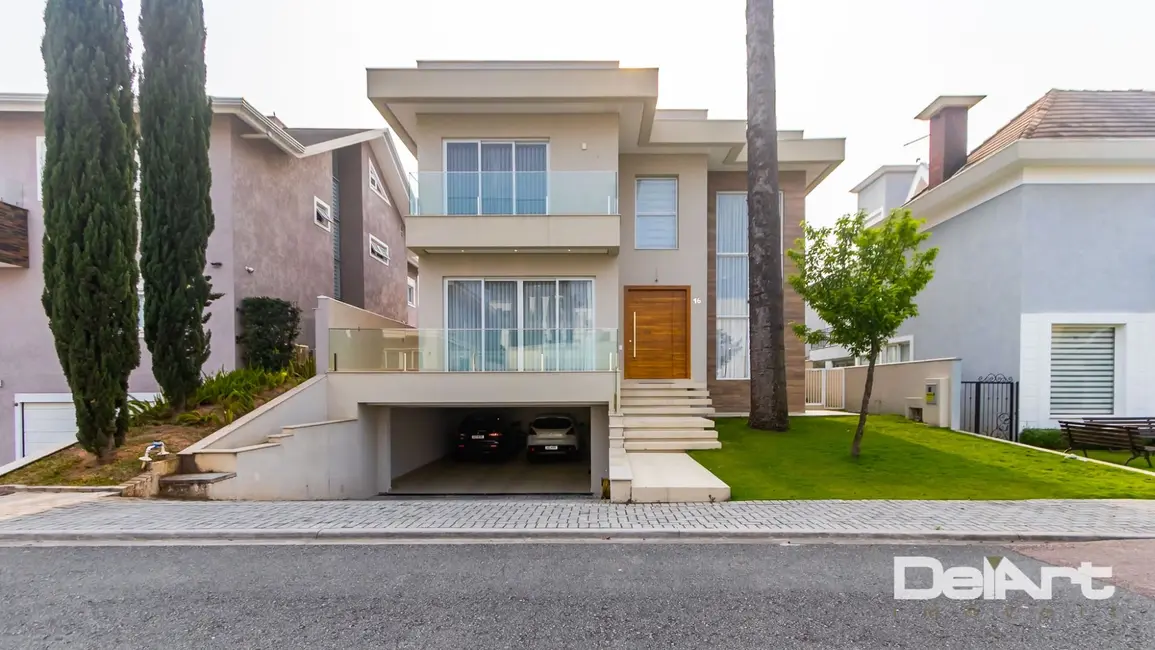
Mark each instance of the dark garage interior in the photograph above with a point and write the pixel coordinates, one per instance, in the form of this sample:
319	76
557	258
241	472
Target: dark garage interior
428	457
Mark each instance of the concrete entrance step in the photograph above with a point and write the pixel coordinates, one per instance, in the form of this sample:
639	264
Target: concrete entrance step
669	409
671	434
666	422
672	478
663	383
665	393
680	400
670	445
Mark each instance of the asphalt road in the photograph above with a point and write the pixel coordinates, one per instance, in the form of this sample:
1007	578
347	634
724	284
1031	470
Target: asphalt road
529	596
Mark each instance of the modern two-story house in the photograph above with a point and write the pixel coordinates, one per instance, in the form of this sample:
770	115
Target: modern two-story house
1044	274
583	256
299	213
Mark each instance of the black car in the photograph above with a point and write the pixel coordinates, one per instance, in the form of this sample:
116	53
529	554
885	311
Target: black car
487	435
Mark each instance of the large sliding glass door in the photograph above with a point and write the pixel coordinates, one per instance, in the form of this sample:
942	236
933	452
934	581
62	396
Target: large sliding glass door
534	325
496	177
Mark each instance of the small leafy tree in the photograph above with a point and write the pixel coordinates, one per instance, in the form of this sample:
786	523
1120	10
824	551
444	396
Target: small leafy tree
862	282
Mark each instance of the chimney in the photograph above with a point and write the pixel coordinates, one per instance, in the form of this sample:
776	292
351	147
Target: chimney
948	134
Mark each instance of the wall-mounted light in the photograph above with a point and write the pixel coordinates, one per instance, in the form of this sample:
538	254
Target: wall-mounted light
250	269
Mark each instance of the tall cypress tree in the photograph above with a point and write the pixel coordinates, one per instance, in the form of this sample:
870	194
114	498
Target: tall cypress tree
176	212
90	232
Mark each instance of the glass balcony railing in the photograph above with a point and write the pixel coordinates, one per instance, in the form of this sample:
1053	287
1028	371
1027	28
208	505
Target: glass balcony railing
514	193
473	350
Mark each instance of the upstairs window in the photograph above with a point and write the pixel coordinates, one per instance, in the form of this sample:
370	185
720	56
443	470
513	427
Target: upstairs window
411	292
496	177
378	250
375	182
322	214
656	214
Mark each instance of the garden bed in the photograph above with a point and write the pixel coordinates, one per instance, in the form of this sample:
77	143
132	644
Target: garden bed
223	398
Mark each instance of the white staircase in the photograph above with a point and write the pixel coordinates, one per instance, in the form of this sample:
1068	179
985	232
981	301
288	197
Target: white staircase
656	415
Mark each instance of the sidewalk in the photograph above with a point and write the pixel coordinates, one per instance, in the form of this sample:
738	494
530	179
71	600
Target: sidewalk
19	504
129	519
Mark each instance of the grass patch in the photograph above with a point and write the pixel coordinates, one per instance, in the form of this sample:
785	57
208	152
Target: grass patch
221	399
901	460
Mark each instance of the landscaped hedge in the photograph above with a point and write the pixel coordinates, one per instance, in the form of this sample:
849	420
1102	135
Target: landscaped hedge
1045	438
269	329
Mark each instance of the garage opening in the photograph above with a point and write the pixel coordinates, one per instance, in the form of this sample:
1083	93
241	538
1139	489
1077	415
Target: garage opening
513	450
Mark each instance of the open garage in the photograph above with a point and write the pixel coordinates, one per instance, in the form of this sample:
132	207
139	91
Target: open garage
487	451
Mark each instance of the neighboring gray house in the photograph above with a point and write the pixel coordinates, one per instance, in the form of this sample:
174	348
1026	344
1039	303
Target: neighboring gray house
1046	270
299	213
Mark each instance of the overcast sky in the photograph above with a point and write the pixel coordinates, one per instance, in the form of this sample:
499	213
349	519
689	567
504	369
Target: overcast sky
858	69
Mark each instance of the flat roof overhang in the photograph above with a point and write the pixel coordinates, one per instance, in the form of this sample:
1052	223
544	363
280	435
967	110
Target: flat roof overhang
545	87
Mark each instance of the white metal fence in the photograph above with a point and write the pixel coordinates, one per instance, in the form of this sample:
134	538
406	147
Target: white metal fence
826	387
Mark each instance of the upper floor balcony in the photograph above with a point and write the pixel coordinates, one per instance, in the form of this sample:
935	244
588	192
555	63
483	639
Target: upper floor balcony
508	211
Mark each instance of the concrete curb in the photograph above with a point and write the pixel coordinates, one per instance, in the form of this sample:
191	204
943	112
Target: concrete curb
75	489
530	535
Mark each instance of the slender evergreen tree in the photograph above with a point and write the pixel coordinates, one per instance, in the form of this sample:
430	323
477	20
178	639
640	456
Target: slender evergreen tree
90	231
176	211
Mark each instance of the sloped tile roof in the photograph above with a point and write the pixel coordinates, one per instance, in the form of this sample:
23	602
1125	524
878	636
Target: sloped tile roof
1077	114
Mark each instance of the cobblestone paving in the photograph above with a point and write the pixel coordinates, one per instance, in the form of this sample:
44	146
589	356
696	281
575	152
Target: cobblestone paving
1108	517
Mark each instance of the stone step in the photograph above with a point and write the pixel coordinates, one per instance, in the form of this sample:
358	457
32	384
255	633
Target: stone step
671	434
663	383
668	410
667	422
671	478
670	445
191	486
650	391
663	401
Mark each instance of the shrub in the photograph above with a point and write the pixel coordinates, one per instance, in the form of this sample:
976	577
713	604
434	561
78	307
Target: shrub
269	329
1045	438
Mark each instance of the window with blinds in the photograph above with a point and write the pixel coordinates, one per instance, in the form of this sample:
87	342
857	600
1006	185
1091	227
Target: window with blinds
1082	370
732	282
733	287
656	214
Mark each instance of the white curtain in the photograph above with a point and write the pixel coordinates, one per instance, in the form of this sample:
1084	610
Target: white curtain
733	286
463	323
539	320
545	325
531	181
461	177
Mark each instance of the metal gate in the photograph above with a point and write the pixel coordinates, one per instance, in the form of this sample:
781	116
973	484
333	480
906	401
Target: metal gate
826	387
990	407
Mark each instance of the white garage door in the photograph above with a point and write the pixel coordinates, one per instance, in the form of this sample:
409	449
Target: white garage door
44	425
47	425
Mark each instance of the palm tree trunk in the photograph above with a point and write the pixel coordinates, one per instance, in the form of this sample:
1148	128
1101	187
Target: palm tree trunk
768	403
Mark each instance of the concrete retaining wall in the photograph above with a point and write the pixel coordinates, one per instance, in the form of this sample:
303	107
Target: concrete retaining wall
898	386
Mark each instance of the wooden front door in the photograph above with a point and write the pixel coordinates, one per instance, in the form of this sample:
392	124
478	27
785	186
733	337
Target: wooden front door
657	321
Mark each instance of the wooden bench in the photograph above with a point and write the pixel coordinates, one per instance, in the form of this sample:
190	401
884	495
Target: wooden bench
1146	426
1081	435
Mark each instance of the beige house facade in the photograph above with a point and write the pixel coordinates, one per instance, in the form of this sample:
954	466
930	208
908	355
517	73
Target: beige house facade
531	173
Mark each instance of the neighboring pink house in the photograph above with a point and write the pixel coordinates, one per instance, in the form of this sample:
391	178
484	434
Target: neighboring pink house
300	213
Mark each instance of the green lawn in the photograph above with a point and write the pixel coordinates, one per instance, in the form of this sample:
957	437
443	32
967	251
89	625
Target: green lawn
902	460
